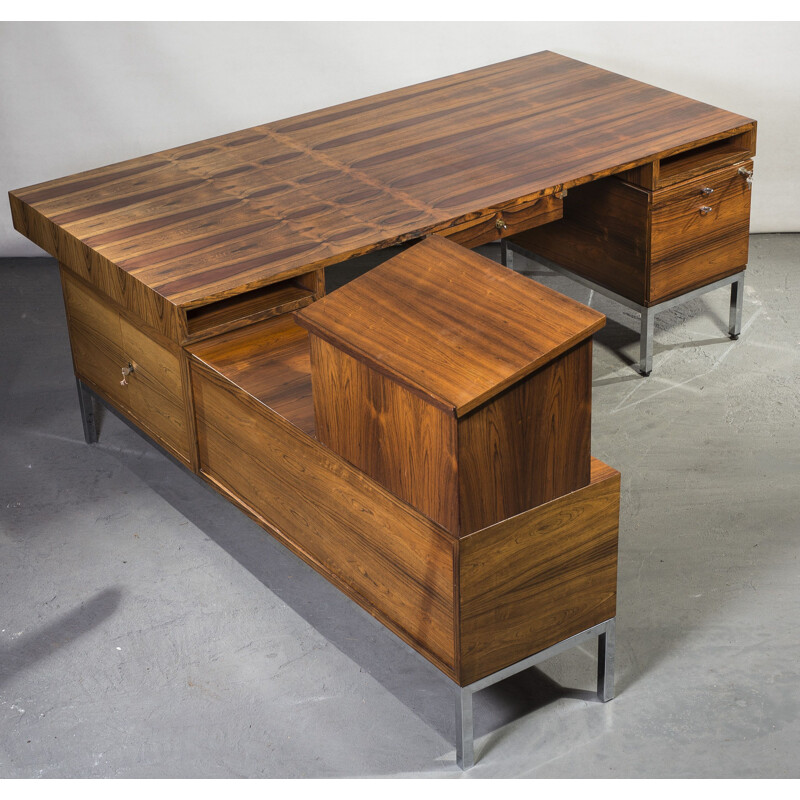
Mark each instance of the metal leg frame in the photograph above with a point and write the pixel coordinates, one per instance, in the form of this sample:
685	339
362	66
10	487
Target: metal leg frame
86	402
465	750
647	313
735	320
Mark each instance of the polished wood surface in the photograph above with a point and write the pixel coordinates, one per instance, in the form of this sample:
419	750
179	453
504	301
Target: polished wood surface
495	327
604	236
459	385
540	577
104	342
391	560
204	221
690	248
246	308
650	246
269	360
528	446
393	435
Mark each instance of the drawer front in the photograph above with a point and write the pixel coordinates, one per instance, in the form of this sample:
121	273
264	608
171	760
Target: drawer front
103	342
699	232
505	222
96	340
155	390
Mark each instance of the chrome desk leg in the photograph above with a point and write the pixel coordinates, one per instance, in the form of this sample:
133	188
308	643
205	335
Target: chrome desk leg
506	254
88	419
605	663
465	750
646	341
735	320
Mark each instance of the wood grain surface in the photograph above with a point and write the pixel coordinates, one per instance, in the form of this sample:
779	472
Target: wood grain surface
393	435
540	577
529	445
269	360
203	221
604	235
104	341
391	560
448	324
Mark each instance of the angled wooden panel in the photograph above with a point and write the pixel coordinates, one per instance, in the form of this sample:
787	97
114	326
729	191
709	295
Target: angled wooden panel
540	577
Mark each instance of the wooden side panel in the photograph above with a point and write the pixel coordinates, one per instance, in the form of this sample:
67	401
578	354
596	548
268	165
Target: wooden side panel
691	248
103	342
96	339
529	445
540	577
603	236
394	562
396	437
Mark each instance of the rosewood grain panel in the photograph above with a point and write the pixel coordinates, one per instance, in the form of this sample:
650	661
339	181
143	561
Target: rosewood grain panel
701	161
205	221
155	390
394	436
504	222
529	445
692	246
96	340
604	236
394	562
271	361
246	308
540	577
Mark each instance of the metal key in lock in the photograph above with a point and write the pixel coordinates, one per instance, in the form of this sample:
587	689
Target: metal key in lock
129	370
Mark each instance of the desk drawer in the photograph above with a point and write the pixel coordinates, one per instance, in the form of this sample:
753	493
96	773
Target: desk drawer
103	342
699	231
505	222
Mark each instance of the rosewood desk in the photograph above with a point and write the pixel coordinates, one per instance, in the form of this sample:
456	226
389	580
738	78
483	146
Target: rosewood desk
181	271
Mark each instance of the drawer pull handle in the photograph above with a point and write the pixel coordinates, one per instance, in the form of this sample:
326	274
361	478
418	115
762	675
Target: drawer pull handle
706	190
500	224
129	370
705	209
747	174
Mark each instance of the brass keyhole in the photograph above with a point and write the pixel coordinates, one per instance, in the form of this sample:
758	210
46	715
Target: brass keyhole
129	370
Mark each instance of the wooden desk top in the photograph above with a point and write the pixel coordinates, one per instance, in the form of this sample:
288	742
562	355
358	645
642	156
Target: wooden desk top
208	220
496	327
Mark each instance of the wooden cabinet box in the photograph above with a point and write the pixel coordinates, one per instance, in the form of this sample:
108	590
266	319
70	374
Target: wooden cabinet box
655	239
460	386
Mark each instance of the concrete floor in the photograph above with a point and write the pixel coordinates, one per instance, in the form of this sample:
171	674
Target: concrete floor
151	629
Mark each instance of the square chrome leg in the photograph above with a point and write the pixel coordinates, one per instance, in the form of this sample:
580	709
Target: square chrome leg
646	341
735	320
506	254
465	751
605	663
86	403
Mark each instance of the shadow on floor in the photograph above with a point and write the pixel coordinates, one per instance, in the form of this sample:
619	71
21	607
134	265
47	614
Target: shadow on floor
28	648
